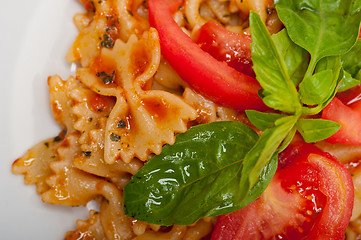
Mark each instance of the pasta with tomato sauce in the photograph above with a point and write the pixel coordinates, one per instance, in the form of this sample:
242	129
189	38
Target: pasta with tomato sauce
131	96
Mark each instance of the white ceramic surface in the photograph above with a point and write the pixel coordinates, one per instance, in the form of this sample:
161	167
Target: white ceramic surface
34	38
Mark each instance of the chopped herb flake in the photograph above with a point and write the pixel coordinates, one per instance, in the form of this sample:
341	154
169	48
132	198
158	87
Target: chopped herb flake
114	137
87	154
106	78
130	12
107	42
121	124
57	139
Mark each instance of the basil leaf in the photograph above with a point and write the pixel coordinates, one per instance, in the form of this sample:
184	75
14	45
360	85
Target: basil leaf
287	139
322	27
315	89
198	176
264	179
351	61
296	58
333	63
348	81
262	120
279	92
260	154
351	64
313	130
327	90
356	6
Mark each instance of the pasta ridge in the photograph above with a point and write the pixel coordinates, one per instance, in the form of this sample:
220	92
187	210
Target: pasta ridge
134	127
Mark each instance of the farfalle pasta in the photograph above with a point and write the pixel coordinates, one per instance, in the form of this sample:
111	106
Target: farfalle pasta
124	104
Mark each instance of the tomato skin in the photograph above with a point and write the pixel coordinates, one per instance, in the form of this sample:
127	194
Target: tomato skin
349	117
350	96
226	46
310	197
212	78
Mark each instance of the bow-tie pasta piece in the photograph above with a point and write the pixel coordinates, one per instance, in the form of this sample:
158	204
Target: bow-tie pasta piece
142	120
92	111
73	187
91	228
34	165
93	33
61	102
133	18
209	111
102	24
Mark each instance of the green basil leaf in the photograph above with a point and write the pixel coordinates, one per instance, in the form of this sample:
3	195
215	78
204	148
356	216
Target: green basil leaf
279	92
295	57
322	27
356	6
351	61
333	63
263	181
328	90
351	64
315	89
266	147
313	130
287	139
262	120
198	176
348	81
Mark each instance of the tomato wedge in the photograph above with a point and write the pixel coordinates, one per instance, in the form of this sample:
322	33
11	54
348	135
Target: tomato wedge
212	78
226	46
310	197
349	117
350	96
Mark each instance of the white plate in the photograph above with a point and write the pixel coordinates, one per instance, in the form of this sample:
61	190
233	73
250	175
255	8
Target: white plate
35	36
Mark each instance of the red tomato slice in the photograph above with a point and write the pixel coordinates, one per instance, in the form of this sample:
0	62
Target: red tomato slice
349	117
226	46
212	78
310	197
350	96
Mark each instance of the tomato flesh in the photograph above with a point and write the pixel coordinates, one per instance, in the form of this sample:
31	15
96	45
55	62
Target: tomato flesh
205	74
310	197
349	117
226	46
350	96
